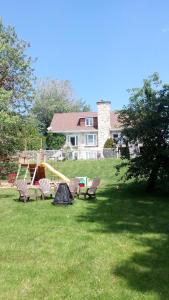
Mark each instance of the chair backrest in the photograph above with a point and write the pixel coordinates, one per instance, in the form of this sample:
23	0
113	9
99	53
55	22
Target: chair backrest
22	186
95	183
45	185
74	184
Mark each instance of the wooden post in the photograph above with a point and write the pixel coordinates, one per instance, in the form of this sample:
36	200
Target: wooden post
25	144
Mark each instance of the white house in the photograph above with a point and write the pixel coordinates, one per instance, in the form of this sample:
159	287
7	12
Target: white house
86	132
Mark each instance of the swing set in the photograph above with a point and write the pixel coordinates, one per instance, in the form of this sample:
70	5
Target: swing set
33	172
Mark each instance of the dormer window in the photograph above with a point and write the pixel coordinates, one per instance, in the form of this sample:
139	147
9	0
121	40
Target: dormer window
89	121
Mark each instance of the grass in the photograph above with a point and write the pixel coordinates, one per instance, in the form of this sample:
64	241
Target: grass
115	247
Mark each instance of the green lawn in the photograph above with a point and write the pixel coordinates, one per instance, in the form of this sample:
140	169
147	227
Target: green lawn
115	247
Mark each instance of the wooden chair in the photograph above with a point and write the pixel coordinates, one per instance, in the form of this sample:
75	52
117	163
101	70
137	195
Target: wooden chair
74	186
91	191
23	190
45	187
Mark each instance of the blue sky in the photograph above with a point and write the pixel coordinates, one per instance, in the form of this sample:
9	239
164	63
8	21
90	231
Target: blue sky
103	47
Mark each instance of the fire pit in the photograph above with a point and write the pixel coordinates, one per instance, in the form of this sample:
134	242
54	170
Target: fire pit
63	195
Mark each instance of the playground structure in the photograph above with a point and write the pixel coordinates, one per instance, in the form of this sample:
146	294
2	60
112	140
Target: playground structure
32	168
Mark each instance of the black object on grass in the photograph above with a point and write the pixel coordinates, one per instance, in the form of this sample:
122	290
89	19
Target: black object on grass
63	195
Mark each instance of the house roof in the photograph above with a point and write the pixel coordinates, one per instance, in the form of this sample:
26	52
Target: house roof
69	122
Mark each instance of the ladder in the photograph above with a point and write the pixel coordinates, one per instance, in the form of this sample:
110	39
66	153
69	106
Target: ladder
19	170
34	174
32	170
26	173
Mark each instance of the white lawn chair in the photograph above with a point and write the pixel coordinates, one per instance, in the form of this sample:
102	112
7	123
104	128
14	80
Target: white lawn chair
23	190
45	187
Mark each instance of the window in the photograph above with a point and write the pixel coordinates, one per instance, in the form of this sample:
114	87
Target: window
89	121
91	139
72	140
115	137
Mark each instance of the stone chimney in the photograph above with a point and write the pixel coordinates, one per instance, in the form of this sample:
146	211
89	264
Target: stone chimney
103	108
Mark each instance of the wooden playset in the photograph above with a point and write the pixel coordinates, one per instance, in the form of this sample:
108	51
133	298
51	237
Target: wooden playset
32	169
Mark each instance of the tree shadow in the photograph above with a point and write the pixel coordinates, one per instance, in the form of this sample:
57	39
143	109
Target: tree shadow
144	218
127	207
148	271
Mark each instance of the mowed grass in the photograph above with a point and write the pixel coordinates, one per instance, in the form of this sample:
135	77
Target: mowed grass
114	247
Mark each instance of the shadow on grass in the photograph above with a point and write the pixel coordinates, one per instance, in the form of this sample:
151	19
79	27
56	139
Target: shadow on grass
148	271
22	201
145	218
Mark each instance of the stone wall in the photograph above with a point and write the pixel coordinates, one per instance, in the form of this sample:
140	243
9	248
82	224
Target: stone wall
103	108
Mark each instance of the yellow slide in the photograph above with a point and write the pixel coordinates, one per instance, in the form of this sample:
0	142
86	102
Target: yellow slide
54	171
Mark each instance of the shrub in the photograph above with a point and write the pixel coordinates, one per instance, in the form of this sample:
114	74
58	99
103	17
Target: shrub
109	144
125	153
109	148
6	168
54	141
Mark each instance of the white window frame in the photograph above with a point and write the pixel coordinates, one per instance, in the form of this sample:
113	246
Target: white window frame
69	140
94	143
89	121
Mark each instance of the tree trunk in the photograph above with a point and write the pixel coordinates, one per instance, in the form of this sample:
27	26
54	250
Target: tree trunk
152	180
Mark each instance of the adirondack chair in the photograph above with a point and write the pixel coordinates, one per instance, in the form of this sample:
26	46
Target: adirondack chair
23	190
74	186
45	187
91	191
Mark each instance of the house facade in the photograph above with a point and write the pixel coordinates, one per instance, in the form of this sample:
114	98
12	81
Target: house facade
87	132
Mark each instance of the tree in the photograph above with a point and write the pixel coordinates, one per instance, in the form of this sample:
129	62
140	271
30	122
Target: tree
55	141
16	131
16	73
146	120
54	96
28	135
9	125
16	89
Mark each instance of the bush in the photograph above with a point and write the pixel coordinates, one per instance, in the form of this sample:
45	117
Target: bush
6	168
109	148
125	153
109	144
55	141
